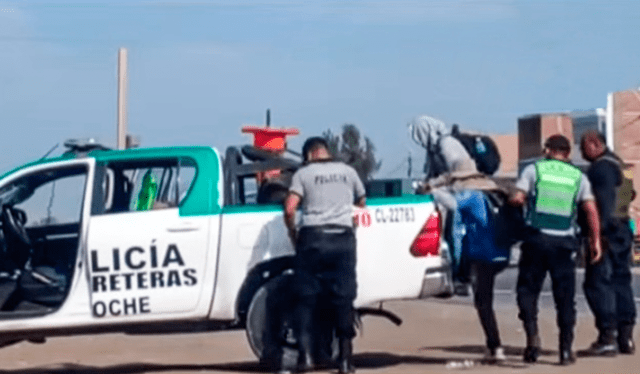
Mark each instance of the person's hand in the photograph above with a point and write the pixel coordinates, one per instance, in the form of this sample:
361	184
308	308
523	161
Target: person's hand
424	189
596	251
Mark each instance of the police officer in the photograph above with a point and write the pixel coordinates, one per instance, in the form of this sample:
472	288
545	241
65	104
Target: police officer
551	190
325	245
607	284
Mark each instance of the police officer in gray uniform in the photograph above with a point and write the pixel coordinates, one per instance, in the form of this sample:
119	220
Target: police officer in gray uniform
553	190
325	245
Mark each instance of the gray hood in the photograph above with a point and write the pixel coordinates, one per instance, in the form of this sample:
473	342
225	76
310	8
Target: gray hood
426	130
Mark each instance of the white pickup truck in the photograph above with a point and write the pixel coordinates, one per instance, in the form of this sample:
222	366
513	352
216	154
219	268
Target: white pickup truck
162	240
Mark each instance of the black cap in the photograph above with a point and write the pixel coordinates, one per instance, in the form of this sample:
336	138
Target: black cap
558	143
311	144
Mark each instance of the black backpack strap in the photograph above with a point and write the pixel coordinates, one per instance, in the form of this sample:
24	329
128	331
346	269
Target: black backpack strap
437	165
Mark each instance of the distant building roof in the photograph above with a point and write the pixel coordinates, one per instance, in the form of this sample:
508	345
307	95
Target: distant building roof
508	147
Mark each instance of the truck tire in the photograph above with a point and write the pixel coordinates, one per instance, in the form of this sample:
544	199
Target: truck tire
269	327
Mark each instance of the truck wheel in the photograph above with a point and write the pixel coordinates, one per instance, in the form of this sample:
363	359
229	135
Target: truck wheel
270	331
268	326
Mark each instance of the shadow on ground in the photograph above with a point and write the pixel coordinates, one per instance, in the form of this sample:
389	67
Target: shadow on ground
365	360
480	350
514	354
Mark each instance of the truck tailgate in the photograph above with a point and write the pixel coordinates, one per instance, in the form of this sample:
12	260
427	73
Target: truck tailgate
386	269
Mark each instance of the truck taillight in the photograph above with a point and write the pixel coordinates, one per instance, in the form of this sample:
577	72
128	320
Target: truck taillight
427	243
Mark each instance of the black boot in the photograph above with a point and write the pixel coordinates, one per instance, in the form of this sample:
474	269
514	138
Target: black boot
604	346
625	340
532	351
305	358
566	357
287	362
345	364
305	341
566	341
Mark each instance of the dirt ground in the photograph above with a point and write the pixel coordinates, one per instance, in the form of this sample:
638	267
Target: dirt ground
436	336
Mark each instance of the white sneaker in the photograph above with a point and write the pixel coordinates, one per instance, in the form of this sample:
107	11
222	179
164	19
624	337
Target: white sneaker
495	355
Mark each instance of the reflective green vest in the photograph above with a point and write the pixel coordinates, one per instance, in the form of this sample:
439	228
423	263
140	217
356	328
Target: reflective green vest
554	203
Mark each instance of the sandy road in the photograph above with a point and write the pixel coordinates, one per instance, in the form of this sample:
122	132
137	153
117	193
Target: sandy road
436	336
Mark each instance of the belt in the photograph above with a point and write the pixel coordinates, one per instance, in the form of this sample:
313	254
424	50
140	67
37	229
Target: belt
329	229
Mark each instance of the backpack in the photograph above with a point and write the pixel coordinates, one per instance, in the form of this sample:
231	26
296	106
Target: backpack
481	148
484	238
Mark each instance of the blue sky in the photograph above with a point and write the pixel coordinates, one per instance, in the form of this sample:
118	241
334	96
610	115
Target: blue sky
199	70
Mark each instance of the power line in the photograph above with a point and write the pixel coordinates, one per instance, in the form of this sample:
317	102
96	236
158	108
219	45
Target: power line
397	168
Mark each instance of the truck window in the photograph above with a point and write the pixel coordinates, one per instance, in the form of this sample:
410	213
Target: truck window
250	190
142	185
53	197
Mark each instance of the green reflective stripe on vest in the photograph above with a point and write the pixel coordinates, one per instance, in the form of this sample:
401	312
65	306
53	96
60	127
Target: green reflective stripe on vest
557	184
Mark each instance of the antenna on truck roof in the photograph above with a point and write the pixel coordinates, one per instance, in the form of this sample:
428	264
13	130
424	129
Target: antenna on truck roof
49	152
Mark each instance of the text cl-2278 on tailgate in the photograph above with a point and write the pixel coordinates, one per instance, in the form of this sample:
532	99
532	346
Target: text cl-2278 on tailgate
394	215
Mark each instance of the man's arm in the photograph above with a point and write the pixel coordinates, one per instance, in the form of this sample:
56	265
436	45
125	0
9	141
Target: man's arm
291	204
593	222
360	203
604	179
519	192
359	192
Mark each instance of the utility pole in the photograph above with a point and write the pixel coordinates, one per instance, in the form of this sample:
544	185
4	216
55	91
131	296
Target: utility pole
122	99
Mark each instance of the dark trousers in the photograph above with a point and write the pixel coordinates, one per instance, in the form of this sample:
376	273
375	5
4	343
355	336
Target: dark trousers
325	266
607	284
483	275
542	254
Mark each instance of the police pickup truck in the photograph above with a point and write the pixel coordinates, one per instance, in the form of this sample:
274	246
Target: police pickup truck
165	240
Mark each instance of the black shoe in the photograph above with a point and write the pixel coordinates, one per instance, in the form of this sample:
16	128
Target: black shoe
599	348
286	362
345	365
567	357
625	340
305	342
531	354
305	363
626	346
461	289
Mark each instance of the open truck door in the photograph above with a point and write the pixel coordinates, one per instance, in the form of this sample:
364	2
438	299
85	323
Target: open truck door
144	256
43	220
